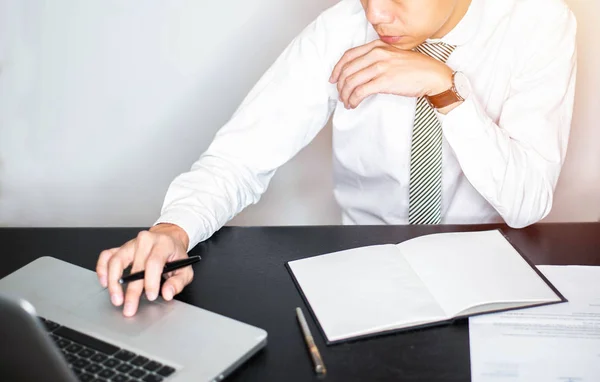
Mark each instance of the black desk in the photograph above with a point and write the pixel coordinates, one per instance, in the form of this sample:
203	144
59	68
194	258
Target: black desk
242	275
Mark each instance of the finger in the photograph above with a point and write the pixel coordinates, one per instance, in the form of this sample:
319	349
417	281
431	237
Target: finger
351	55
362	77
155	264
119	261
143	246
375	86
170	274
175	284
360	63
102	265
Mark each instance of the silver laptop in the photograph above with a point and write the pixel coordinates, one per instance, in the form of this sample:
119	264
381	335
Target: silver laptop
92	340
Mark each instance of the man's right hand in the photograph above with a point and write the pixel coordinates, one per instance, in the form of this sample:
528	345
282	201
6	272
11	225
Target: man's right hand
149	251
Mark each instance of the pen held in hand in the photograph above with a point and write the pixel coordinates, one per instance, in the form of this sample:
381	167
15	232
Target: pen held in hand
169	267
310	343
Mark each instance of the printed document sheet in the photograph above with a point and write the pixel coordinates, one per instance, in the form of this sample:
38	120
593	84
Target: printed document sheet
550	343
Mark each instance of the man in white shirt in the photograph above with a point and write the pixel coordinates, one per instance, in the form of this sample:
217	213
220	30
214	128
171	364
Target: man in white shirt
444	111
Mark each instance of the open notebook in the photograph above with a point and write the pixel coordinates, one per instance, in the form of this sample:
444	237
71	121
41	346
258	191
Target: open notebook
424	281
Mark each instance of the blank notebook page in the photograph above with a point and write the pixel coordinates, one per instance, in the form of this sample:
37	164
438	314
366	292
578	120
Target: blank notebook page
468	269
364	290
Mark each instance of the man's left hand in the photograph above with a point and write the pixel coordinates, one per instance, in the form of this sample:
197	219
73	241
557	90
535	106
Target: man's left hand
378	67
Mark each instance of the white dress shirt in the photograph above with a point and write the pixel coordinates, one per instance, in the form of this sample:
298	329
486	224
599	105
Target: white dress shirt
503	146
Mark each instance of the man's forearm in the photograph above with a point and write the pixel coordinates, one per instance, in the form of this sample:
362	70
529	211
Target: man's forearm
512	177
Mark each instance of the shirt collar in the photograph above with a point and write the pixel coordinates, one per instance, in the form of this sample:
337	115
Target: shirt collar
466	28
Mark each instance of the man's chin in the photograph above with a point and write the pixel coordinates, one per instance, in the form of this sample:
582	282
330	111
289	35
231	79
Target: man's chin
400	42
405	45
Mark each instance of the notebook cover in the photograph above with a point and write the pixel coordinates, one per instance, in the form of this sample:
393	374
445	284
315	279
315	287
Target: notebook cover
430	324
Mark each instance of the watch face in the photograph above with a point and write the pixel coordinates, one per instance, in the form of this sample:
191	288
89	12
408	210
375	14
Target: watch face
462	85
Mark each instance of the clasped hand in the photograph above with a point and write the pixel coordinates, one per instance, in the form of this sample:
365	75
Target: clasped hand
378	67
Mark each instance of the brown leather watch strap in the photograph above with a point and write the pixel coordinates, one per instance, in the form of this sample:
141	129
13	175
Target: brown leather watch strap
444	99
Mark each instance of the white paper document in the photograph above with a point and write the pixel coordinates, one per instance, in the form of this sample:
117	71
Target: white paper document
550	343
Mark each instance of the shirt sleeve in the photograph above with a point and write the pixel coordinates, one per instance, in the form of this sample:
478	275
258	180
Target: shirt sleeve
284	111
515	163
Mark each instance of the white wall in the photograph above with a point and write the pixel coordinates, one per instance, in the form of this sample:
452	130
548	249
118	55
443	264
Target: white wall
578	191
102	103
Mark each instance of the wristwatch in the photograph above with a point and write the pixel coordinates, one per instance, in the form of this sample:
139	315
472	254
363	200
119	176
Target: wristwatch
460	90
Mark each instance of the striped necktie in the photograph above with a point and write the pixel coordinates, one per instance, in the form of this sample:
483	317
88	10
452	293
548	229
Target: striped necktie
425	187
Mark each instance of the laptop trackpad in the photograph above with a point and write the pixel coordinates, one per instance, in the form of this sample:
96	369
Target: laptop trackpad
99	311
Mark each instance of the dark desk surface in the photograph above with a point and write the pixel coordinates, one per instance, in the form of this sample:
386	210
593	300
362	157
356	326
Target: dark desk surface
242	275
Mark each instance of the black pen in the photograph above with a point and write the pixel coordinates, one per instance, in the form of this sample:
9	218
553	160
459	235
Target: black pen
169	267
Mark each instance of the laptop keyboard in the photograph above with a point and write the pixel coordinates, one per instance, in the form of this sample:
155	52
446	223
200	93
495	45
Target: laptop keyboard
94	360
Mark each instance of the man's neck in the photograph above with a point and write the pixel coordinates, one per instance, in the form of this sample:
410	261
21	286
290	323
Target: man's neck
460	10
